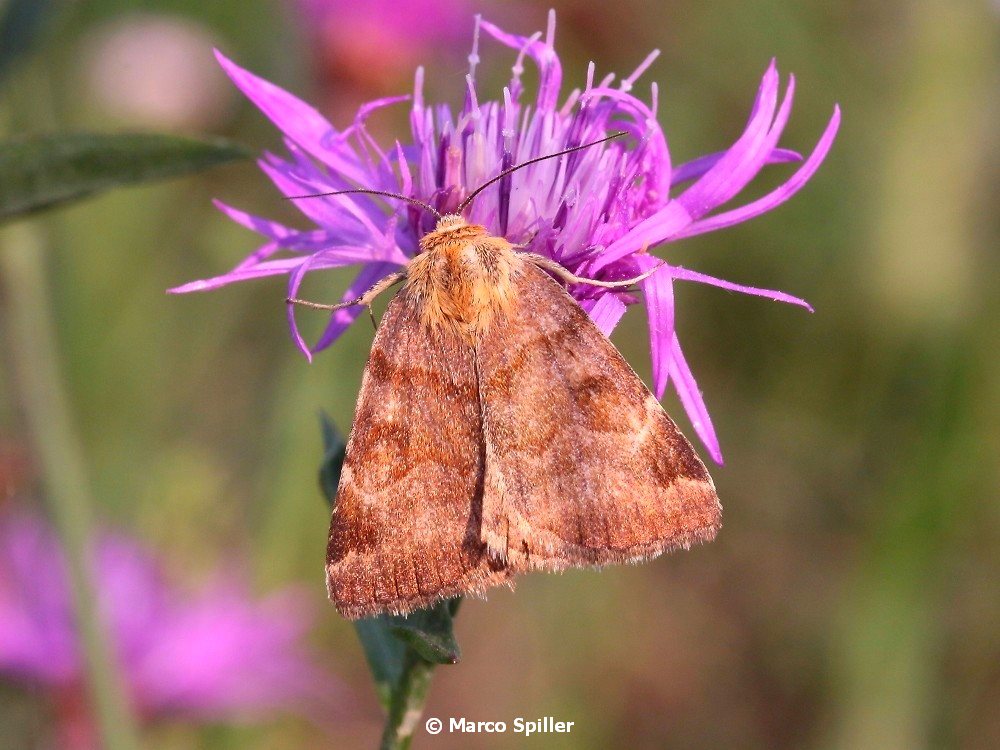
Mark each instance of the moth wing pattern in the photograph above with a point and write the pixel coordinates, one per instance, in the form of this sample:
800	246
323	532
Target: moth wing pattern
405	529
583	466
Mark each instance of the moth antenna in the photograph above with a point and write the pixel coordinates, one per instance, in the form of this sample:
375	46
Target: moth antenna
464	204
414	201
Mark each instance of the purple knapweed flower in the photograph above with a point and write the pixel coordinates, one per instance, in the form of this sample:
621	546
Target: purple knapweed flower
598	212
216	656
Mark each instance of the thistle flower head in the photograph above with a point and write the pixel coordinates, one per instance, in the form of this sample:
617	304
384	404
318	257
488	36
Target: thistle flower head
598	212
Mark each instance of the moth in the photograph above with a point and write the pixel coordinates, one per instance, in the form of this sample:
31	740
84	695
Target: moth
498	431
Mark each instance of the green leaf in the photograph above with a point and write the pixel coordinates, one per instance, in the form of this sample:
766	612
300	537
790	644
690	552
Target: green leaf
334	450
43	171
21	23
385	654
430	632
391	641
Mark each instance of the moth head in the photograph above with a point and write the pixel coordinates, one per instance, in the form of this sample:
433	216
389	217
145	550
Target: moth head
449	222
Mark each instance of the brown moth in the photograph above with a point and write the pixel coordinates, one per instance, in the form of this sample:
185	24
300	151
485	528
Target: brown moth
499	431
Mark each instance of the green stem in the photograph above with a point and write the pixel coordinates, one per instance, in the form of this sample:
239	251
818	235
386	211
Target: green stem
46	409
408	698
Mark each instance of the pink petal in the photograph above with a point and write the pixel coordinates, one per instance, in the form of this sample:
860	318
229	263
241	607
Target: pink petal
285	238
297	119
629	81
695	168
294	282
259	256
270	229
341	320
658	290
606	311
692	401
777	196
240	273
543	54
654	229
745	158
685	274
343	214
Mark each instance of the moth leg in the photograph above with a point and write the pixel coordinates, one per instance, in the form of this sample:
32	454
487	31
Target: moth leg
365	299
550	265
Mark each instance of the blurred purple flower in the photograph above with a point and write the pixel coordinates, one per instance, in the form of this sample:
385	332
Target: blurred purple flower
363	50
385	29
217	656
596	212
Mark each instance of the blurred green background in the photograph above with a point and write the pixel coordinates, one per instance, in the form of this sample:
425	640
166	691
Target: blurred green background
851	601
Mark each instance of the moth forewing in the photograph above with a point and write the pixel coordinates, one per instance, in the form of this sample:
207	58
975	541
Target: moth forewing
404	530
583	466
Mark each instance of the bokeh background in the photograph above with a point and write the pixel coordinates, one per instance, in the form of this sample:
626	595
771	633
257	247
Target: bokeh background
852	599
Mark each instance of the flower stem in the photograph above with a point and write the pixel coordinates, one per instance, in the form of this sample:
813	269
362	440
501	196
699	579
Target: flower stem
46	410
407	705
